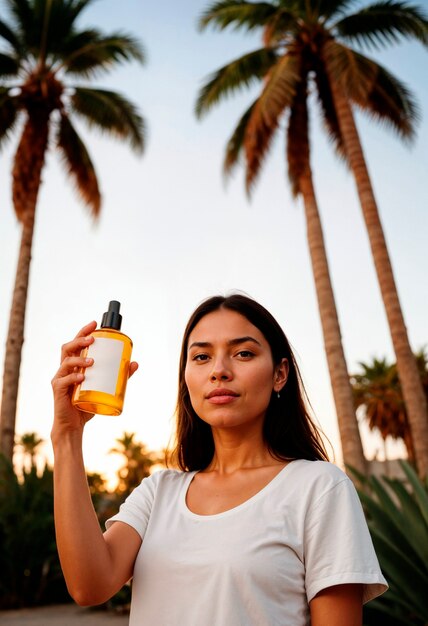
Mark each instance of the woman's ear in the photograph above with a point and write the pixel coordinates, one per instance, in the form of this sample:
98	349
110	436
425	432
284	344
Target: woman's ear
281	375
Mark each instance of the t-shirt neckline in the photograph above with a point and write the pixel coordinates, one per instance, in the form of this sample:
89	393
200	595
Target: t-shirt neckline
264	490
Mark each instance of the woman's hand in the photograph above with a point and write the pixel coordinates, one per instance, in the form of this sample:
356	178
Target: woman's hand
68	418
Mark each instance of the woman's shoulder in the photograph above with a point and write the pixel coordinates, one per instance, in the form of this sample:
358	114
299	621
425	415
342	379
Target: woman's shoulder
319	475
165	477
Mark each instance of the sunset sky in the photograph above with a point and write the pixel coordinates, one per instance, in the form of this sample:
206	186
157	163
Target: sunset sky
172	232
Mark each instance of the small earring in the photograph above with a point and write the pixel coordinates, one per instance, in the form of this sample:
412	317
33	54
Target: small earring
278	395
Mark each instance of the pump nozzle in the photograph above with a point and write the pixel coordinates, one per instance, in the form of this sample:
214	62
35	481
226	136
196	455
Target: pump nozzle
112	317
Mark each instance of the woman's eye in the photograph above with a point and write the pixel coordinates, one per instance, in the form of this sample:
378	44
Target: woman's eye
245	354
200	357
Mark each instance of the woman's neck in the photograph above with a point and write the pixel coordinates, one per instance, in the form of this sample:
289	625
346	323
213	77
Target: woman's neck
233	451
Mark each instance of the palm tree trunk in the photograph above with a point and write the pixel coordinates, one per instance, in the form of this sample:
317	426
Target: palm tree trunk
28	165
408	373
408	442
15	340
352	448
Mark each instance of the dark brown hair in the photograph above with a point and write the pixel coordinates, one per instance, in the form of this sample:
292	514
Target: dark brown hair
288	430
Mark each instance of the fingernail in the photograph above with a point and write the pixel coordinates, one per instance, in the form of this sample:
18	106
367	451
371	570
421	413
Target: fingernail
89	360
80	376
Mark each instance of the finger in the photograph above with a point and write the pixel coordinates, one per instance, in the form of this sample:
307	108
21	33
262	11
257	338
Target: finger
73	364
78	343
87	329
75	346
63	383
133	366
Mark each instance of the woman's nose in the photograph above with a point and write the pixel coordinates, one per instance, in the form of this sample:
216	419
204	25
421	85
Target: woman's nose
220	372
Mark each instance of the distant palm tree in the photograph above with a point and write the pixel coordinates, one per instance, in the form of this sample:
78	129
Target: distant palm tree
29	443
303	51
138	462
378	391
42	48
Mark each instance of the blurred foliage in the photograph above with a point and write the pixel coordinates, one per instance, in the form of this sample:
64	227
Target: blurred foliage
377	390
138	462
29	442
397	515
30	572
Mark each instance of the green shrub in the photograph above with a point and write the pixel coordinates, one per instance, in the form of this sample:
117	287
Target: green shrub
30	572
397	516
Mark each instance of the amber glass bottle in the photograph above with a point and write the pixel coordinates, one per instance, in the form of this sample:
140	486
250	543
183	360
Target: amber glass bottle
103	390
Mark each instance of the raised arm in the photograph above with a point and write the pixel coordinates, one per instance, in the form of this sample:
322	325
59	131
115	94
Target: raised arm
95	565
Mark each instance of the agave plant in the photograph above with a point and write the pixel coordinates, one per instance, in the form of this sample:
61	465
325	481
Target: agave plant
397	516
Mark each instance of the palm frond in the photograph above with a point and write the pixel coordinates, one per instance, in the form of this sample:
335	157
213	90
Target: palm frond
9	110
8	65
76	6
233	76
65	12
88	51
391	102
7	33
278	94
280	86
236	142
78	164
46	25
241	14
279	25
373	88
384	23
111	113
52	24
328	112
298	152
354	72
327	9
257	141
22	12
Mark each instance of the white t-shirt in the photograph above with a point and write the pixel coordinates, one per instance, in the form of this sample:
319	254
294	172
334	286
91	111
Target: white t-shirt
258	564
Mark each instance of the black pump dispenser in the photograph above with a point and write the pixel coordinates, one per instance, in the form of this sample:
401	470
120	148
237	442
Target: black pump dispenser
112	318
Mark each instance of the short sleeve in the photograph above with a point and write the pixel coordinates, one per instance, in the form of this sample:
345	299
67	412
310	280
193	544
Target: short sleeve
338	547
136	509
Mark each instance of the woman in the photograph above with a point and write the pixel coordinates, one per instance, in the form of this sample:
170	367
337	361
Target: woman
257	528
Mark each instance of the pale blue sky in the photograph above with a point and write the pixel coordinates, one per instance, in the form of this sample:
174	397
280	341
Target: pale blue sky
171	233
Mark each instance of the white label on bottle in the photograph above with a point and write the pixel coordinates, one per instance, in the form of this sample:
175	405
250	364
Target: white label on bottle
102	375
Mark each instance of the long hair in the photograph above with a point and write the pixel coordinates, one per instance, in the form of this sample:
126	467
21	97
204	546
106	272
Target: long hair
288	429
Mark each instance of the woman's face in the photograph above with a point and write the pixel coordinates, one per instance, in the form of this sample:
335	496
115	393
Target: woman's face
229	372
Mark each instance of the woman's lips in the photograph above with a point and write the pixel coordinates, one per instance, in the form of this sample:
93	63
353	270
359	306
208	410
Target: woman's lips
221	396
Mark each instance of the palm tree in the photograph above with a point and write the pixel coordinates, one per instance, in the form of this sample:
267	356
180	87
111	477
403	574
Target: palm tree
43	48
302	51
351	77
252	137
378	391
138	462
29	443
